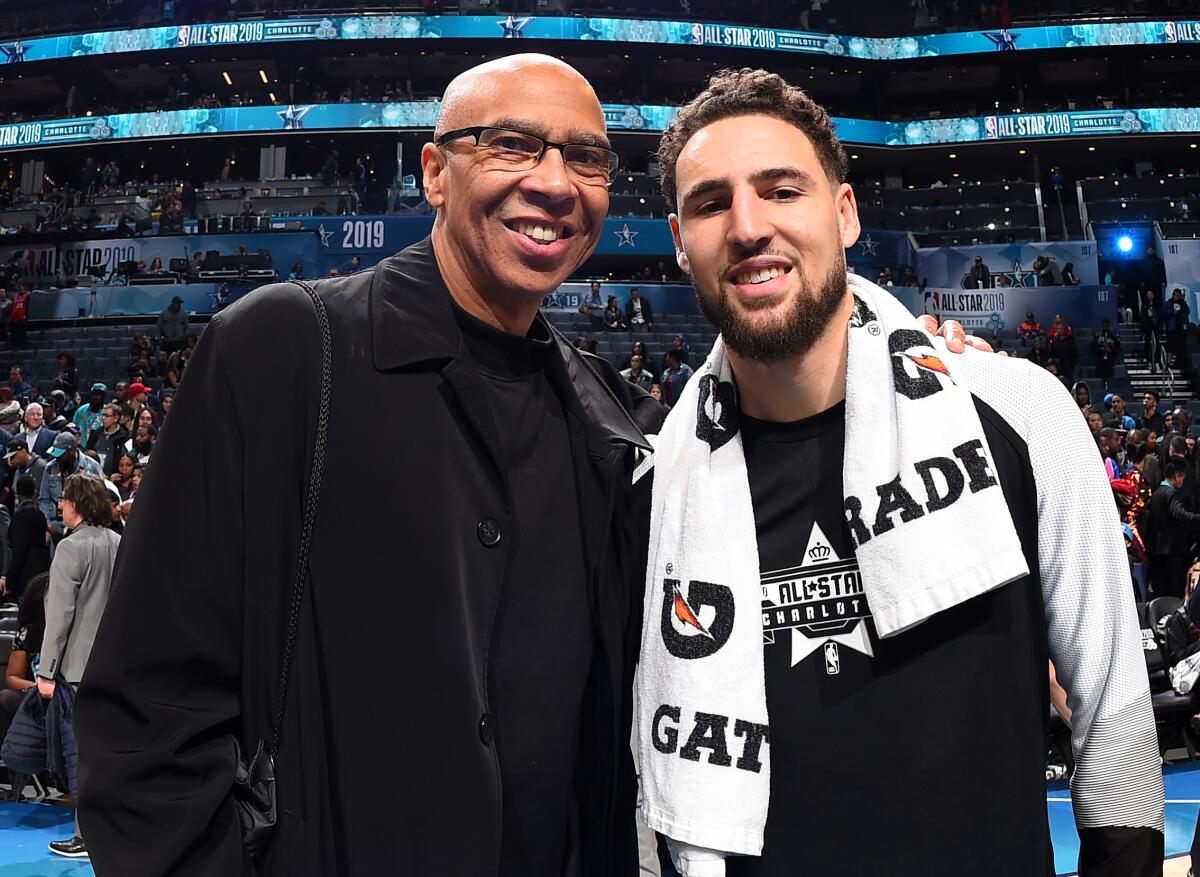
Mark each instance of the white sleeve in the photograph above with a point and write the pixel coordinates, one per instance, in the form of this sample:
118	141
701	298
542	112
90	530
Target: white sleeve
1092	628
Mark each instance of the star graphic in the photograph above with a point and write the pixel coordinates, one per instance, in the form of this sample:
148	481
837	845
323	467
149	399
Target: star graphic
324	235
1003	40
15	53
626	236
293	117
869	246
513	27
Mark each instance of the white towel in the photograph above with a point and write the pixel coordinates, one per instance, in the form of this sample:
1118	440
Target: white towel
931	530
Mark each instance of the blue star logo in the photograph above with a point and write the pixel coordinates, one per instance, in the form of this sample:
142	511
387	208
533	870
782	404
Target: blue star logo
869	246
625	236
1003	40
293	117
15	53
513	27
324	235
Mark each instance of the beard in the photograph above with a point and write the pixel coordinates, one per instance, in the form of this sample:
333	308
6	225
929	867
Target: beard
790	333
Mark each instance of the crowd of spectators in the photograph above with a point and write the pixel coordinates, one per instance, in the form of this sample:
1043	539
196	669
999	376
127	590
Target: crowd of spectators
665	379
105	432
1150	457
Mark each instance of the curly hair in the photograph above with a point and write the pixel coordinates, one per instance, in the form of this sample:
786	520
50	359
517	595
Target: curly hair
90	498
748	92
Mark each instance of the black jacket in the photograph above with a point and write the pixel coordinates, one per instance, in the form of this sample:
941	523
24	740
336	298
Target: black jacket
108	446
1172	527
27	540
647	311
386	763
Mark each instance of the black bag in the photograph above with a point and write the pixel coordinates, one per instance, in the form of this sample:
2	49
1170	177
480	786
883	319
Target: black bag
254	782
1178	636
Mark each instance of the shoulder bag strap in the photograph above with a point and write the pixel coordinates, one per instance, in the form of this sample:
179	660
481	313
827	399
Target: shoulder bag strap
311	496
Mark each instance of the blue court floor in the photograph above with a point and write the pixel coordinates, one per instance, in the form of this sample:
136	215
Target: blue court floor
1182	785
25	829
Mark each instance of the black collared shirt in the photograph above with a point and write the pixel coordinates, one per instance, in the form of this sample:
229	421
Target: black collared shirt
542	642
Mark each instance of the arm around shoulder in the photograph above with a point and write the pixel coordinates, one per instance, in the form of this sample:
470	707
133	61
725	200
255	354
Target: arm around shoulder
1094	640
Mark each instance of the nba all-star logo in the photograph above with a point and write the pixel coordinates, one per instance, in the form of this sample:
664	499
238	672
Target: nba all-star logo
820	602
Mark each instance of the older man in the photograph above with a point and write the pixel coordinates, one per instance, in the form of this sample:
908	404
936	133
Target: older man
466	670
460	698
37	435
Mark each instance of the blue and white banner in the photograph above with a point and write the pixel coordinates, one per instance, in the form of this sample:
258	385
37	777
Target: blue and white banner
185	37
362	235
949	266
422	115
877	249
324	242
1181	259
990	312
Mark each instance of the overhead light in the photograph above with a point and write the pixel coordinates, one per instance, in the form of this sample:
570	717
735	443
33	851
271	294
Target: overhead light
1020	152
1091	149
225	76
1006	209
991	226
1124	242
1122	205
271	95
262	74
954	155
854	156
954	175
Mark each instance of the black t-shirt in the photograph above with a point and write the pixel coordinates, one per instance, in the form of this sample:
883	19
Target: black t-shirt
541	645
905	756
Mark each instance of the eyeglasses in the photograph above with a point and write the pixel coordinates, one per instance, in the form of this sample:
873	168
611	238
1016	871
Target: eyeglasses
518	151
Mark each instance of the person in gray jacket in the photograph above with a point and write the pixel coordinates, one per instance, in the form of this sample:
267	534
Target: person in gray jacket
80	575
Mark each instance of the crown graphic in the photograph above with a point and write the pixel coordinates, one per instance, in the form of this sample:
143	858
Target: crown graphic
819	552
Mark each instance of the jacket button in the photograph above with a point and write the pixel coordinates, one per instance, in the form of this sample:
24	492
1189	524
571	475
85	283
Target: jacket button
485	730
488	532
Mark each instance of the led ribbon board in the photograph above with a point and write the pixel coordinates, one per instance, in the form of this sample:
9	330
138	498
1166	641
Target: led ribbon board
421	115
614	30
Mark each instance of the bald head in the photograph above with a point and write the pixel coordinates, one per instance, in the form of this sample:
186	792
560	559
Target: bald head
512	225
505	86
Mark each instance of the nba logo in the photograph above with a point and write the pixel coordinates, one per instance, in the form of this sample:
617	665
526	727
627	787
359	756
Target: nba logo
184	35
697	34
989	127
933	305
833	661
1170	34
